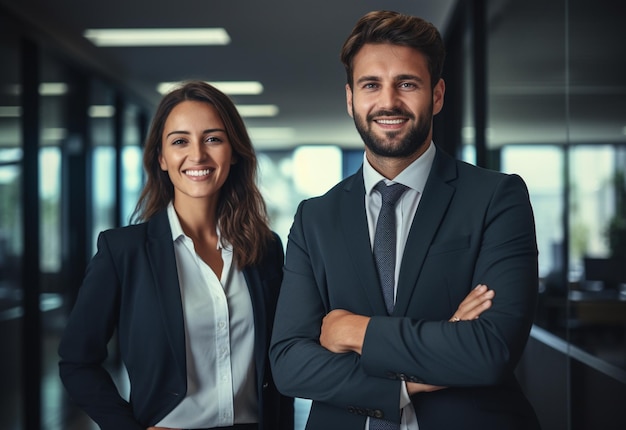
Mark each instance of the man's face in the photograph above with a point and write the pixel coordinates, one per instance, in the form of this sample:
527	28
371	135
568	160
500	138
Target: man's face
392	102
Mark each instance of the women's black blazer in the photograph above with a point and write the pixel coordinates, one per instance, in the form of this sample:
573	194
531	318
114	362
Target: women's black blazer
131	285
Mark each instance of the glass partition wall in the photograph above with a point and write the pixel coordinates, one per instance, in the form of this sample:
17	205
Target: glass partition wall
11	238
557	116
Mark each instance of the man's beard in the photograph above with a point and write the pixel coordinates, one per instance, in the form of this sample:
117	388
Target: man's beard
414	139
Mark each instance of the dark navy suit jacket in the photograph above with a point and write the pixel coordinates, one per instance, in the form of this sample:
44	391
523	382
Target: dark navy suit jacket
131	285
472	226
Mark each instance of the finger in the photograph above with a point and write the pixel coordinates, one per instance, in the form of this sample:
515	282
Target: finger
475	307
475	294
475	299
479	300
475	312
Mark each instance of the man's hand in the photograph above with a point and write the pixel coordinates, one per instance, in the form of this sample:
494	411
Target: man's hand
414	388
474	304
343	331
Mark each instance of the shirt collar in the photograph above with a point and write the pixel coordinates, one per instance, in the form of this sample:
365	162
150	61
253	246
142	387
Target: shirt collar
414	176
177	229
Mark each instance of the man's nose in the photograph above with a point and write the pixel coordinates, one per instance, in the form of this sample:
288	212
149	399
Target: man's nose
388	98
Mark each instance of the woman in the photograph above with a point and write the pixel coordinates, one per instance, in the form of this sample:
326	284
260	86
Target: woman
191	289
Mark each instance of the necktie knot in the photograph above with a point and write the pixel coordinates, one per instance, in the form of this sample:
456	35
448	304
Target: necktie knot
391	193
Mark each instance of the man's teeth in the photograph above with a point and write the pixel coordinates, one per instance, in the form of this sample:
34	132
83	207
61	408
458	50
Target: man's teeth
390	121
198	172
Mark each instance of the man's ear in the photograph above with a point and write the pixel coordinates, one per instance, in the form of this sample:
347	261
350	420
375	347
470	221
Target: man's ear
349	100
438	93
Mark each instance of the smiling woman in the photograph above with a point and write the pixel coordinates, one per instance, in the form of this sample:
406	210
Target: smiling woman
196	154
189	289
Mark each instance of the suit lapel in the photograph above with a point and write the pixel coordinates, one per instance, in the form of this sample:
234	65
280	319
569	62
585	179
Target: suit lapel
261	337
160	250
356	237
430	212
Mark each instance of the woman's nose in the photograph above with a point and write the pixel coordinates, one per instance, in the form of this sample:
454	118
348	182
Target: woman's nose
197	151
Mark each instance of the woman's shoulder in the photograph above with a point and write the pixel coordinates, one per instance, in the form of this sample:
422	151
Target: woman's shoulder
128	231
129	236
156	225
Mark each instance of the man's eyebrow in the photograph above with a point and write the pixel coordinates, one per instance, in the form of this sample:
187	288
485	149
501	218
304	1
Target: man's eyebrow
408	77
368	79
402	77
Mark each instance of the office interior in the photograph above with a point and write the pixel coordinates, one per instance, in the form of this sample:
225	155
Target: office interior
534	87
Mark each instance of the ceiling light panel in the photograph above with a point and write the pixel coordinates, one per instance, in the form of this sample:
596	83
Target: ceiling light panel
232	88
250	111
109	37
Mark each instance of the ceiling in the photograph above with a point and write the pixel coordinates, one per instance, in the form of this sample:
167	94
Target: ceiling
290	47
555	73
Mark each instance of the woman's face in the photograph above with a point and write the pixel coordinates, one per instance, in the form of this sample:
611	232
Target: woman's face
195	151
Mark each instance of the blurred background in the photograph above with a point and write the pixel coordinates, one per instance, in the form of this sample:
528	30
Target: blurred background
534	87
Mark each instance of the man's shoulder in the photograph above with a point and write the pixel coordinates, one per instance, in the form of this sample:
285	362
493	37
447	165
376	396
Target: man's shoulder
322	208
350	183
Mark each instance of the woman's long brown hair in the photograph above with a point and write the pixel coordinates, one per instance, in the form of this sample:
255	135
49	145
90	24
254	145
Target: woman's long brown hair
241	212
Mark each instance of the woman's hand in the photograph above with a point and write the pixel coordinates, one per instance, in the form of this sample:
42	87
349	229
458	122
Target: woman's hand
476	302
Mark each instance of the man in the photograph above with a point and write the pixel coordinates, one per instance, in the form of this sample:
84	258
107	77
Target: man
414	360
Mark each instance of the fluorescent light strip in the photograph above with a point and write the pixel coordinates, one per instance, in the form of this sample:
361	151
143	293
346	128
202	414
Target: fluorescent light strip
53	89
101	111
233	88
107	37
10	111
45	89
108	111
250	111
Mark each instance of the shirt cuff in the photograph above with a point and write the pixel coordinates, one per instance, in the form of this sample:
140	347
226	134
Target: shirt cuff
404	396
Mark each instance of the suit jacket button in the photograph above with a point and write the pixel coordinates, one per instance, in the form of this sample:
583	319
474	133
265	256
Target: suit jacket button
265	385
378	413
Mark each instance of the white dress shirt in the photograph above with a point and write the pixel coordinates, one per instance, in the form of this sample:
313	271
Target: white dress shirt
219	339
414	177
